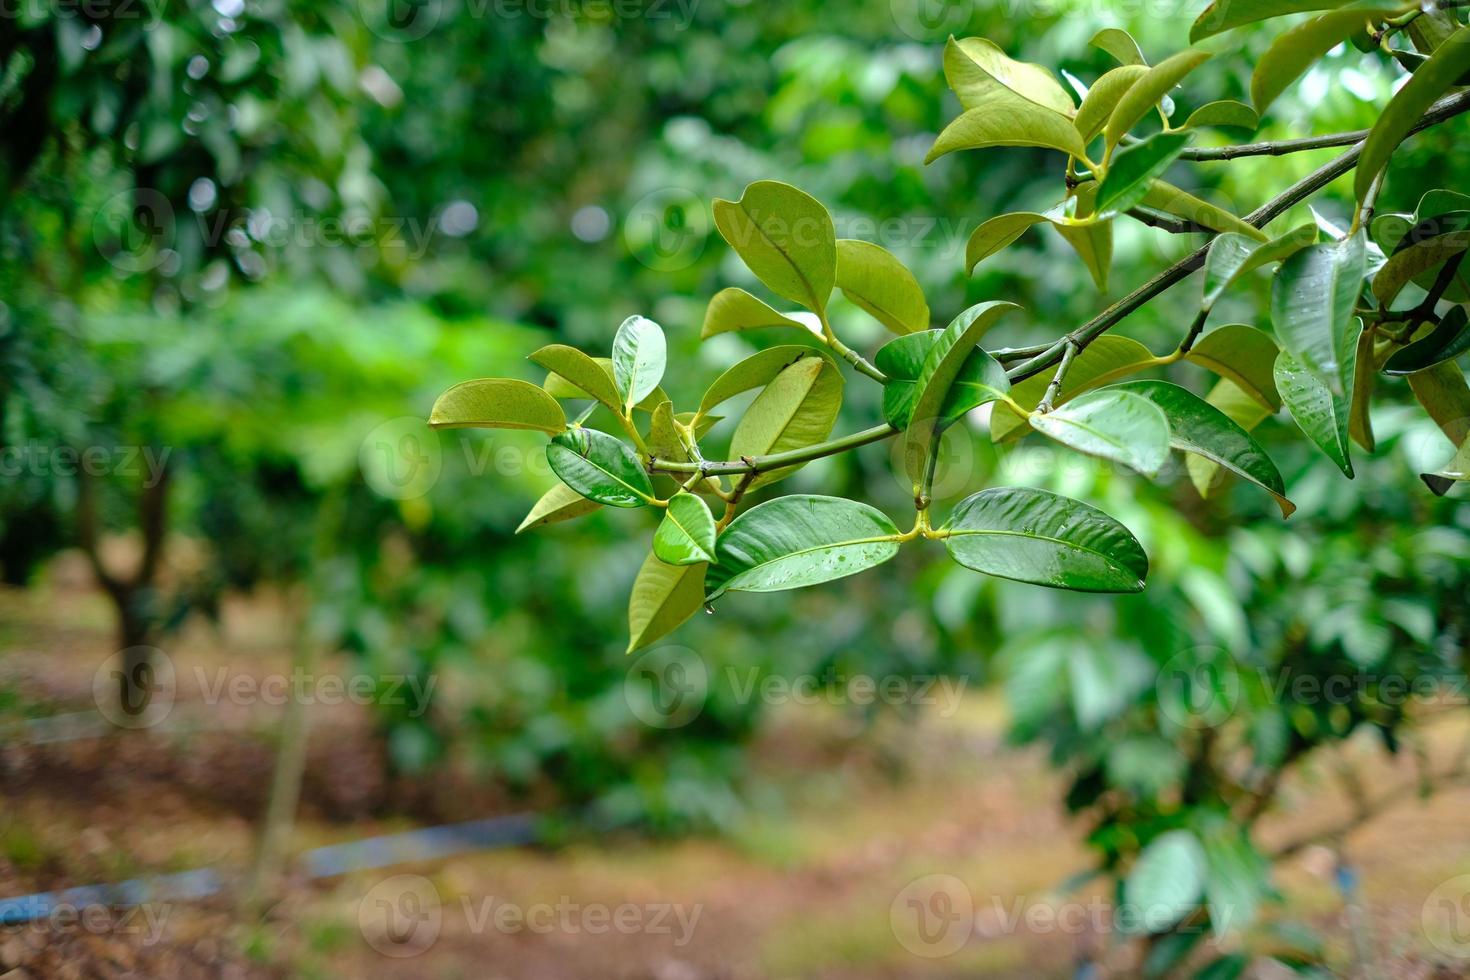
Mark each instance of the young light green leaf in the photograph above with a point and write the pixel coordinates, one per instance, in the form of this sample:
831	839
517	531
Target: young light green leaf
1225	113
1103	98
733	308
1168	880
1293	52
1245	356
1196	426
560	503
1120	44
978	70
558	386
1007	119
1436	76
1106	359
600	468
1321	413
686	535
942	366
1312	301
756	370
1092	242
1449	339
798	408
1443	392
1127	180
581	371
1147	92
638	356
1242	409
497	403
786	238
663	597
1111	424
996	234
1039	537
1223	15
1166	197
876	281
1233	255
800	540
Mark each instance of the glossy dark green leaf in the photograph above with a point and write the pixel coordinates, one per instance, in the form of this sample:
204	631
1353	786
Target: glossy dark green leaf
981	379
1449	339
497	403
753	372
686	535
1196	426
1312	307
785	237
1008	119
560	503
1244	355
800	540
942	366
1435	77
798	408
1046	539
600	468
1103	98
586	376
1149	90
733	309
1242	409
1293	52
874	279
1223	15
1111	424
1128	177
1168	880
663	597
639	355
978	71
1321	413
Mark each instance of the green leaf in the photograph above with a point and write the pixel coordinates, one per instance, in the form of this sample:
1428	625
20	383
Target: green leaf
1321	413
600	468
1223	15
1167	881
585	375
1225	968
1103	98
1045	539
1237	879
1196	426
876	281
942	366
1436	76
1149	90
497	403
1232	256
1242	409
1446	397
1225	113
733	308
756	370
1106	359
996	234
1166	197
1365	377
786	238
1127	180
560	503
1092	242
559	387
800	540
1244	355
1312	301
1412	258
798	408
663	597
977	71
686	535
638	357
1008	119
1447	341
1120	44
1111	424
981	378
1457	470
1293	52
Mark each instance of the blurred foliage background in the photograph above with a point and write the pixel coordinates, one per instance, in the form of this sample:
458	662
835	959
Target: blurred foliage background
259	236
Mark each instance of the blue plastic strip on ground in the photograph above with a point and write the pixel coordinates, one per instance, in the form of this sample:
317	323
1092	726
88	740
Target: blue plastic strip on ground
182	886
